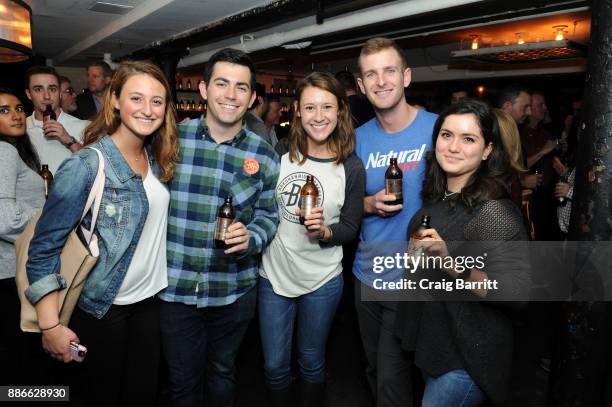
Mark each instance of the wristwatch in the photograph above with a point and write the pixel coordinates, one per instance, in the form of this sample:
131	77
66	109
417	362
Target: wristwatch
71	142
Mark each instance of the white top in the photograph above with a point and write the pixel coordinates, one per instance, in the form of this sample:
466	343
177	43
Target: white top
294	263
147	274
51	151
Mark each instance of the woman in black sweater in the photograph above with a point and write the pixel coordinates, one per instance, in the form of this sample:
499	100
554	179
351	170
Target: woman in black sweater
462	338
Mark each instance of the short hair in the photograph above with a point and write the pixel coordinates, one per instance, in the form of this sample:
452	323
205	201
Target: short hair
510	93
40	70
164	142
106	69
64	79
342	139
374	45
233	56
492	178
347	80
456	89
260	90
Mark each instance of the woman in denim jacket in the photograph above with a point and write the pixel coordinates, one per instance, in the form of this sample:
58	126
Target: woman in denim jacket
116	317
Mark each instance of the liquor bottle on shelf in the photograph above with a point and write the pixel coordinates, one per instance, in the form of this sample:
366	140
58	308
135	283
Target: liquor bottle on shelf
188	84
272	89
179	84
309	196
225	217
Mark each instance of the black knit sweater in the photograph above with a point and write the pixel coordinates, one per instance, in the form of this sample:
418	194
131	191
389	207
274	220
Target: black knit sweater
472	335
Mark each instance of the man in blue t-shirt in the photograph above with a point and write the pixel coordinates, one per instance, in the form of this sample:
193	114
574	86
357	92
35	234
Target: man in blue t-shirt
401	131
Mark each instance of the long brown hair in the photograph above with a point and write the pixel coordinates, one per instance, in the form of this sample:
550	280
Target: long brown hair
164	141
342	140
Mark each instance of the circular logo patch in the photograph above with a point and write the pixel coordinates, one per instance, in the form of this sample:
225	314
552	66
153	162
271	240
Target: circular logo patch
251	166
288	194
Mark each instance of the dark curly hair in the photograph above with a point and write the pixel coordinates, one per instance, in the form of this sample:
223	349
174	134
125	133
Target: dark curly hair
490	180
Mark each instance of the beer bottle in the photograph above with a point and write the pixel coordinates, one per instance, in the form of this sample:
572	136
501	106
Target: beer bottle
47	177
49	114
225	217
308	198
562	200
393	182
414	236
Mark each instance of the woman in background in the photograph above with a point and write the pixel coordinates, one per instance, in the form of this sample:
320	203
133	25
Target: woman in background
22	194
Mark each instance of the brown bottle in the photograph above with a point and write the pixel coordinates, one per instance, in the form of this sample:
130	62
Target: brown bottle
49	114
308	198
225	217
393	183
47	177
425	224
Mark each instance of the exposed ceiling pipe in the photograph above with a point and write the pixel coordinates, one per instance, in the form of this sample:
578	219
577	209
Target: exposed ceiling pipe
387	12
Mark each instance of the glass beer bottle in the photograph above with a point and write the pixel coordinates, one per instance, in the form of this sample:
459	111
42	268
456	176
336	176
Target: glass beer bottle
225	217
49	114
414	236
393	182
47	177
308	198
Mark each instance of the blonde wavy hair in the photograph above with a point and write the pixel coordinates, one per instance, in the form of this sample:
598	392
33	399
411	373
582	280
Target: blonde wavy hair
511	139
164	142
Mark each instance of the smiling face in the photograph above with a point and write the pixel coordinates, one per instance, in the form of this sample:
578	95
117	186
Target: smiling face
460	148
141	105
12	116
383	78
318	112
228	95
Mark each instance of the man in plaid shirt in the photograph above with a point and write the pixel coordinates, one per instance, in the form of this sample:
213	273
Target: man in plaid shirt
211	295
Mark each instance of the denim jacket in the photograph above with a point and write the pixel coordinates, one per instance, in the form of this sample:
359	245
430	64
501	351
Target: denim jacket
120	222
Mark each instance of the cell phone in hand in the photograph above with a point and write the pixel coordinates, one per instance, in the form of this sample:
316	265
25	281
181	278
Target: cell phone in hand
77	352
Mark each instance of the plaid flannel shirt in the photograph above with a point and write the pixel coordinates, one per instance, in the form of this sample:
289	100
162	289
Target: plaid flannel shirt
247	168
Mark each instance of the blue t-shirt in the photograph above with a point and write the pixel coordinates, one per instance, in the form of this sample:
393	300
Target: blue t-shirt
387	236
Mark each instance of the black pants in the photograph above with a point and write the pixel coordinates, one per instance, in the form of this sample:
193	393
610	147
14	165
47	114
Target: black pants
389	366
11	337
122	363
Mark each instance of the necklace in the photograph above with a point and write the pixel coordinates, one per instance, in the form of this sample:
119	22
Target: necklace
448	195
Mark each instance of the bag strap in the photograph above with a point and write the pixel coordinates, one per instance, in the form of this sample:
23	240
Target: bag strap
95	195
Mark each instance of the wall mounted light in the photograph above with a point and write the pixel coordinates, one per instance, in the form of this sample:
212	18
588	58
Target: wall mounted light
15	31
559	32
475	41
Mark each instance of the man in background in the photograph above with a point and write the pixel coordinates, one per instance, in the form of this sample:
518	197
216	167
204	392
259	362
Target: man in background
89	103
68	97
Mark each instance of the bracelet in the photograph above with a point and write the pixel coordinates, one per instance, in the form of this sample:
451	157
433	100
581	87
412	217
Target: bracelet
51	327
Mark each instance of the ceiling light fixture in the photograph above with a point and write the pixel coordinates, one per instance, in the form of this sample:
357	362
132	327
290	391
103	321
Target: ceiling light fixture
15	31
521	38
559	32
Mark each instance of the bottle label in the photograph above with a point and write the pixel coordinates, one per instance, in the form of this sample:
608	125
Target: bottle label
307	204
221	226
394	187
47	187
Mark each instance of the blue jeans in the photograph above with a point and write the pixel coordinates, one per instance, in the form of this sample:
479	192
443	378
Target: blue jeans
200	346
452	389
277	315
